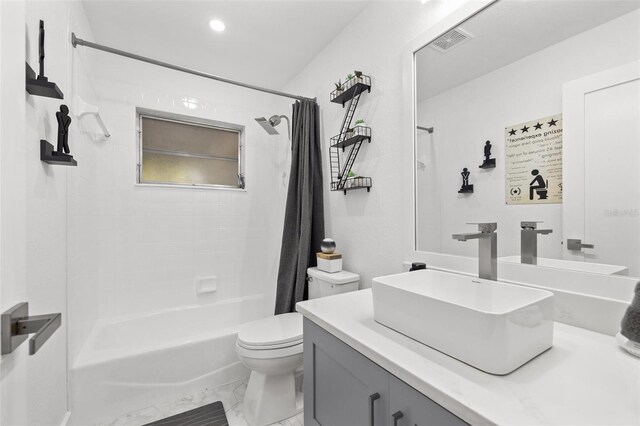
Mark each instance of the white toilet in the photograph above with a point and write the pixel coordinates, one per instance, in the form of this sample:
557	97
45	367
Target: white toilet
272	349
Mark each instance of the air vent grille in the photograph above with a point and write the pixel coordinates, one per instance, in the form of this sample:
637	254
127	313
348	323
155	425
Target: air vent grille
447	41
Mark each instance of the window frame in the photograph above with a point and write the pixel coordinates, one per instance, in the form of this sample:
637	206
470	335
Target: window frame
142	113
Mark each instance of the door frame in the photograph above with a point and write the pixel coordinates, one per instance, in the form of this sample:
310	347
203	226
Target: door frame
573	147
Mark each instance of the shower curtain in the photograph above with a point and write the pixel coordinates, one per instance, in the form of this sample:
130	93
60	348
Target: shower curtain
304	215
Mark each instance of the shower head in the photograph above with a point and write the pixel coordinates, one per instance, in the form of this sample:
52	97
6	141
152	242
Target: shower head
266	125
270	125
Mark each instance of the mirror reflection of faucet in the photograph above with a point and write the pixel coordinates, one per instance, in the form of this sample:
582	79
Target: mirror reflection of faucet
529	241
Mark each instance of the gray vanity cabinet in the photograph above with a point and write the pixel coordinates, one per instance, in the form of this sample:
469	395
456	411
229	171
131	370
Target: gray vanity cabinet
409	407
344	388
341	386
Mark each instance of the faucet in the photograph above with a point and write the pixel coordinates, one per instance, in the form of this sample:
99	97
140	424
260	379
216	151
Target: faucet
488	251
529	241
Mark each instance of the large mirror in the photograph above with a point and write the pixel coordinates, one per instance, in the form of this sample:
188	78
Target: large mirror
530	111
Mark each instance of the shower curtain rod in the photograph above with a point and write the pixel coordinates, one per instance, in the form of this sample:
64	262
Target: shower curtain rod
75	41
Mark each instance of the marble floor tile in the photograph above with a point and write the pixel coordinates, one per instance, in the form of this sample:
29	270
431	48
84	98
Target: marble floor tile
139	417
231	395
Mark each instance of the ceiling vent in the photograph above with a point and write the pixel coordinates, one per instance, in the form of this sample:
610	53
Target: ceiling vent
449	40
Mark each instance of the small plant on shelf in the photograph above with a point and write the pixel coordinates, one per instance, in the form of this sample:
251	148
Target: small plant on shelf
360	123
349	80
339	88
350	179
358	76
349	133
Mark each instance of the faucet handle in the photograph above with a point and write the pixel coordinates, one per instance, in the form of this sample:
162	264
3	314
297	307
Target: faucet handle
485	227
530	224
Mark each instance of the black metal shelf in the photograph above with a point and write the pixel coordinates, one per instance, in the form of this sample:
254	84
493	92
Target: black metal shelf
351	88
41	86
342	178
48	155
359	182
359	134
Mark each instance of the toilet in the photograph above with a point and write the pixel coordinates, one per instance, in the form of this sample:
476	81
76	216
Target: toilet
272	349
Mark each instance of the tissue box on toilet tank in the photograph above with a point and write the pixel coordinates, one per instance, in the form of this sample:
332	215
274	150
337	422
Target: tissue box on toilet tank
329	262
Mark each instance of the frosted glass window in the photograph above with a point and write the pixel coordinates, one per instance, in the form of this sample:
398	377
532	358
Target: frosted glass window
177	151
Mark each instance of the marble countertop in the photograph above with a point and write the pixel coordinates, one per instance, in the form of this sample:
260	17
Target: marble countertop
584	379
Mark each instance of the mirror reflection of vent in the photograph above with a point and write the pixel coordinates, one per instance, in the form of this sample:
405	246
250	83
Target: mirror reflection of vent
449	40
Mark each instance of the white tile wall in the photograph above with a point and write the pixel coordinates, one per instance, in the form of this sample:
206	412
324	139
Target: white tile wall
137	248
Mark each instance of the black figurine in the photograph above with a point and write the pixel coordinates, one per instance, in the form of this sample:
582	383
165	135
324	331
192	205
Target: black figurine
40	85
488	163
41	52
64	121
466	188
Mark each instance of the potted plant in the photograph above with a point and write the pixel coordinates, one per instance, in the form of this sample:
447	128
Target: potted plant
339	88
360	123
349	133
358	77
349	80
351	177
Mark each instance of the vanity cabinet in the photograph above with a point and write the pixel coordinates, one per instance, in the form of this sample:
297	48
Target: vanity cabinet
344	388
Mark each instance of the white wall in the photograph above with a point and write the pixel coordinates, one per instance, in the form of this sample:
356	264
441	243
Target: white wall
34	205
136	249
468	115
368	227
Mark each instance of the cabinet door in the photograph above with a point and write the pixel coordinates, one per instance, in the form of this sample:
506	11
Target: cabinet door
408	407
341	386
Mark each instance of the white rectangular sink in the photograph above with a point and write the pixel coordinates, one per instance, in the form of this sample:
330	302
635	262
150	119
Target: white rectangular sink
572	265
493	326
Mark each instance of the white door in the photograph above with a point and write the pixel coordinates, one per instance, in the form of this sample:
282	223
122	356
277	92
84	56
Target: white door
33	388
602	167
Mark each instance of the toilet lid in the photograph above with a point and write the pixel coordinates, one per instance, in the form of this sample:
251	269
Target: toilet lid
272	331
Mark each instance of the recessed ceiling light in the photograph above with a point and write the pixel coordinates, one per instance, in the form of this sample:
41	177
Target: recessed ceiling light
217	25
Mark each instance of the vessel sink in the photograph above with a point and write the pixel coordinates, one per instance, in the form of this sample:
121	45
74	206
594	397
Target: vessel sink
572	265
493	326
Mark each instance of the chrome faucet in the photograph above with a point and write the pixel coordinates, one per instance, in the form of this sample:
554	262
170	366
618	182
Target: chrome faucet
488	249
529	241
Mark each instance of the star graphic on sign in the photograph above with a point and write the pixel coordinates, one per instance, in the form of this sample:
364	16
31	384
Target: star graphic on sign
552	122
512	132
525	129
538	126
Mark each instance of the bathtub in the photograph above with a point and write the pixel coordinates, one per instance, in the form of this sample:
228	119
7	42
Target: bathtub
129	363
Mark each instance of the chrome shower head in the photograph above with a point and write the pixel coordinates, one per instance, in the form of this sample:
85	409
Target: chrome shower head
267	126
270	125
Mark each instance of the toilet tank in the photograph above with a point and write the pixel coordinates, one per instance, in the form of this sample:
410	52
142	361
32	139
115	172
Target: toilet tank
326	284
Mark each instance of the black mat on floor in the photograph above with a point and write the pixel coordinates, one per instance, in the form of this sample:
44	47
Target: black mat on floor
207	415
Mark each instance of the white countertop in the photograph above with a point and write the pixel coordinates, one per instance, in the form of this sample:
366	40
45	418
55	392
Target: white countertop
584	379
572	265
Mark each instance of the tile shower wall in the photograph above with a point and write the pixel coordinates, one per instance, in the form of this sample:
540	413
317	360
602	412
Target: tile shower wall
486	105
136	249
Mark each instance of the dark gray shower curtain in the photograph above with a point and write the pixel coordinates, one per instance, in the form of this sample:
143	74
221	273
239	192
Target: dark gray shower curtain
304	215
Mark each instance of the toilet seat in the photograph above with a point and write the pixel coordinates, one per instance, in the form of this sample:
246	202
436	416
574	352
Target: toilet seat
277	332
273	353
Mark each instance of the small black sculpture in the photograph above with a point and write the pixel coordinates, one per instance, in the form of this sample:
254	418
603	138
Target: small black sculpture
488	163
466	188
538	186
64	121
41	52
40	85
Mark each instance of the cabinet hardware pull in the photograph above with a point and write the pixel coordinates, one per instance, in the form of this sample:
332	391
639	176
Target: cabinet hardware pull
397	416
372	398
